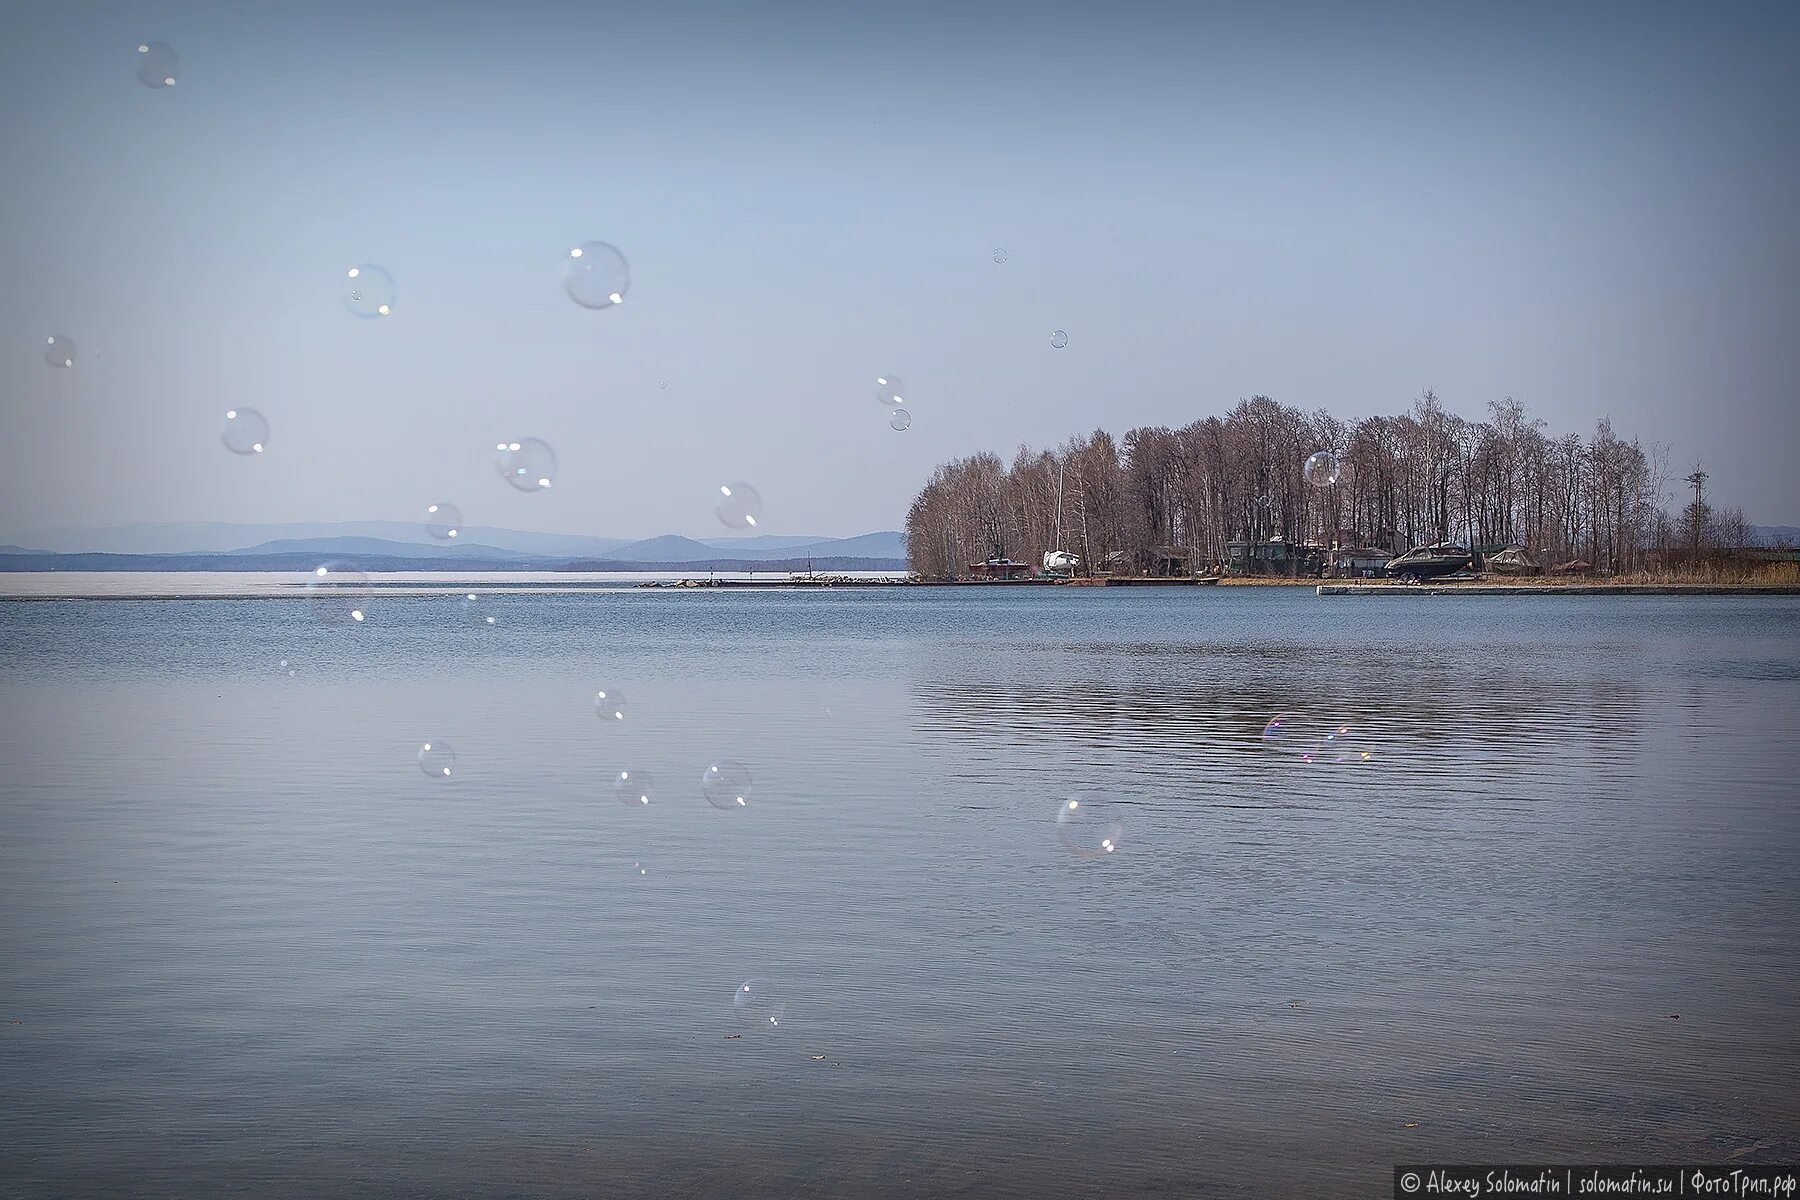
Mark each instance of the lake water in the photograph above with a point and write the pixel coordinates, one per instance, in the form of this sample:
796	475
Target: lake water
250	948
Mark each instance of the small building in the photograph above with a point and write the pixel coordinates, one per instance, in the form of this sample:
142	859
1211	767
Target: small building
1000	568
1358	562
1274	558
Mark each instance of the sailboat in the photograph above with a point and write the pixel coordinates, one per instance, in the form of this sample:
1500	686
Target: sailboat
1060	561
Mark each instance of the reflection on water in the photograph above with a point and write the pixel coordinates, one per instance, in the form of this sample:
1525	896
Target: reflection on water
249	946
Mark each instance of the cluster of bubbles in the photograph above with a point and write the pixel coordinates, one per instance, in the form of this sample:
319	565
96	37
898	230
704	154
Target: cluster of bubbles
890	393
1312	740
1322	469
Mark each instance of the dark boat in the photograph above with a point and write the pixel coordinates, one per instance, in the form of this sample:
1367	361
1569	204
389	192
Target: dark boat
1429	562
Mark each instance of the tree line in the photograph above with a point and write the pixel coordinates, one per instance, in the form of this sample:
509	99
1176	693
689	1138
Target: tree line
1424	476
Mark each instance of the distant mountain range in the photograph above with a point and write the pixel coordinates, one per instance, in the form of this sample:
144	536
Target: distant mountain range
396	545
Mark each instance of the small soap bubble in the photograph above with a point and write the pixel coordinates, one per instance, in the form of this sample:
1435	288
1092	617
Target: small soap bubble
436	758
889	390
1059	339
1088	829
635	789
758	1005
1322	469
338	595
740	506
158	66
1288	733
901	421
246	431
529	464
1343	743
59	350
288	667
443	522
369	291
999	256
596	275
475	611
727	785
609	705
637	868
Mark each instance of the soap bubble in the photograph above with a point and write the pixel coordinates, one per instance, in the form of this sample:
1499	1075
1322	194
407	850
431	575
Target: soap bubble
999	256
1343	743
1087	828
529	464
890	391
1059	339
369	291
436	758
637	868
1287	733
727	785
338	594
901	421
740	506
1322	469
246	431
609	705
474	609
443	522
158	66
288	667
634	788
596	275
59	350
758	1005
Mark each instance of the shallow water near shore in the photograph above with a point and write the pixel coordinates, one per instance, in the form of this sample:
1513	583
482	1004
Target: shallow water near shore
250	948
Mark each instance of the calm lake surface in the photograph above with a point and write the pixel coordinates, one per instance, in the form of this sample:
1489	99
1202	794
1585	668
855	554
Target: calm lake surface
248	947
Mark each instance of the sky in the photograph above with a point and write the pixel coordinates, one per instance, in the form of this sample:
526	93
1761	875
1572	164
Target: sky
1588	207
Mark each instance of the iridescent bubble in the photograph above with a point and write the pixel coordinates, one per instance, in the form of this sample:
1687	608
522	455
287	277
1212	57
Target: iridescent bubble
246	431
158	66
339	595
634	788
999	256
529	464
1322	469
475	611
436	758
59	350
1059	339
443	522
890	391
1287	733
901	421
609	705
727	785
1088	829
596	275
1344	743
758	1005
369	291
740	506
637	868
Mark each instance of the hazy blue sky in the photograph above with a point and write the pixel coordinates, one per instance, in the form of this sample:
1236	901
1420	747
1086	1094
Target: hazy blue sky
1589	207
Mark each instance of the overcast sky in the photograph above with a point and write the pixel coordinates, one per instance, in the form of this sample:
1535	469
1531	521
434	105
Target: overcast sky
1591	208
